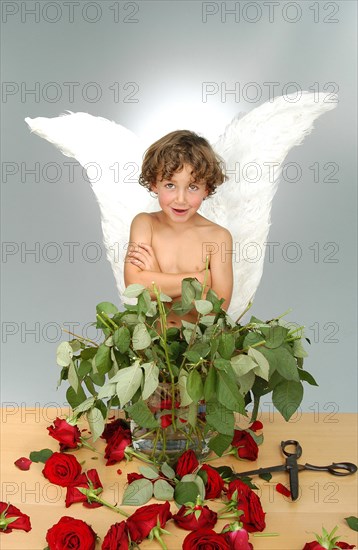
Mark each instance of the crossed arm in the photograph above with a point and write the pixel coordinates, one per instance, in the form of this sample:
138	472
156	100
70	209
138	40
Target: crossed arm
141	265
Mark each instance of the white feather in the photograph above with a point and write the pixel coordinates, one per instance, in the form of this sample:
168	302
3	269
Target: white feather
112	156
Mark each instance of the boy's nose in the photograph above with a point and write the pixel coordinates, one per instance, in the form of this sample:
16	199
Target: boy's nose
180	196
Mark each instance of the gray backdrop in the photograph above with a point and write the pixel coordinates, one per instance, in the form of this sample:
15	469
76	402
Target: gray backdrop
155	67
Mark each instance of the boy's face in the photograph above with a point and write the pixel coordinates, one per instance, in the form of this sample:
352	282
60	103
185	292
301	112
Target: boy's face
180	197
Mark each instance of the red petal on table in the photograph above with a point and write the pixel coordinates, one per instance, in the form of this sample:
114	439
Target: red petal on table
257	425
23	463
119	471
283	490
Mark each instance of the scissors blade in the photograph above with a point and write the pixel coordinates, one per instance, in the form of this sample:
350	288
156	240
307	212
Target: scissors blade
280	468
292	468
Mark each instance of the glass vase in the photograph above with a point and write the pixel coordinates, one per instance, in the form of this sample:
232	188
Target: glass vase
176	432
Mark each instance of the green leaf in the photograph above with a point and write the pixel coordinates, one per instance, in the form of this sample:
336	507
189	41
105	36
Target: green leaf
141	415
228	393
150	472
298	349
40	456
106	307
96	423
242	364
194	385
75	345
193	413
286	397
103	361
64	354
226	345
107	391
163	490
88	353
219	443
246	382
151	381
210	384
187	294
186	491
73	398
132	291
252	338
72	376
307	377
138	493
266	476
203	306
197	480
352	522
122	339
275	336
263	365
85	405
220	418
128	381
84	368
185	398
167	471
286	364
164	298
141	338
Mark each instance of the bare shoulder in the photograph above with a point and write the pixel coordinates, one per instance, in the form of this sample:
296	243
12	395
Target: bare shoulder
217	231
143	218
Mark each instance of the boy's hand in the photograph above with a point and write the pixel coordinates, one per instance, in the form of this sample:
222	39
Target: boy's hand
144	258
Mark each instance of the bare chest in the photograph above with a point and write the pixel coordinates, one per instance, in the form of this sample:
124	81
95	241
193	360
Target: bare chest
180	253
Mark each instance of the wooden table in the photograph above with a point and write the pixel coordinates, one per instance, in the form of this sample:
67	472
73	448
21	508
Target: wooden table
324	500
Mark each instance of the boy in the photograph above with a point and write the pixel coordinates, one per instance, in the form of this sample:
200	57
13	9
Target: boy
169	245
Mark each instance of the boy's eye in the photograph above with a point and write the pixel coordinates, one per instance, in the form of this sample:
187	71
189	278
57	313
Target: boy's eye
194	187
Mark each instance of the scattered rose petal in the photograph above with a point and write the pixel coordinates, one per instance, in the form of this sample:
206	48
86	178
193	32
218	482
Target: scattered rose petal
119	471
257	425
23	463
283	490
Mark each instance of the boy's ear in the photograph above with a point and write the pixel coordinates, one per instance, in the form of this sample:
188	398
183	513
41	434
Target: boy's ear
153	187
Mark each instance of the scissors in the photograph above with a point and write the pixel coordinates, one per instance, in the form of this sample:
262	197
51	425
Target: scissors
291	466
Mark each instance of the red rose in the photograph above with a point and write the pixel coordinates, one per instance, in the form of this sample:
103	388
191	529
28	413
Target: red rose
187	463
315	545
253	518
73	495
245	444
133	476
69	436
62	469
192	521
112	427
255	426
283	490
205	539
116	537
146	518
71	533
214	483
238	539
8	511
118	437
23	463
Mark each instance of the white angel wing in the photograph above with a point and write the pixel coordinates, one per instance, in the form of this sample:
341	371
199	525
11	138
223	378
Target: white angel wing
254	147
111	155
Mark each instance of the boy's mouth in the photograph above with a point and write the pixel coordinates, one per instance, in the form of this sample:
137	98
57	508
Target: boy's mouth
180	211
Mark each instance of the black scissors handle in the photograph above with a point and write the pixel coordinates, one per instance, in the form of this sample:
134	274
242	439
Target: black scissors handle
291	443
336	468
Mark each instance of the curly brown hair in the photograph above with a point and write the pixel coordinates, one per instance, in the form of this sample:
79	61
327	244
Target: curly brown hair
172	151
